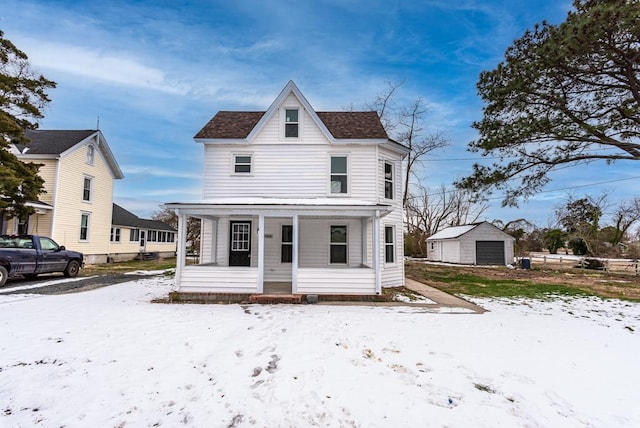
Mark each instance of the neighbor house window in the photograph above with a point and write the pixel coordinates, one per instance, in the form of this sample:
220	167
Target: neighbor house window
338	245
291	123
84	226
152	236
242	164
286	252
86	189
171	237
389	247
90	155
388	180
134	235
339	174
115	234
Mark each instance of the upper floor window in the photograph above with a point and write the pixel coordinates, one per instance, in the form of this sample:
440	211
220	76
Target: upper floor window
291	123
242	164
90	155
86	189
339	174
388	180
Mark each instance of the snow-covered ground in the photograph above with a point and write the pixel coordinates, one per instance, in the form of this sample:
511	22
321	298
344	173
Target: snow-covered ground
110	358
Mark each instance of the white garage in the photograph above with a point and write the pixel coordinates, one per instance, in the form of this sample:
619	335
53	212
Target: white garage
477	244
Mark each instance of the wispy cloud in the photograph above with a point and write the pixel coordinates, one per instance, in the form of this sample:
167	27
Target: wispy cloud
160	172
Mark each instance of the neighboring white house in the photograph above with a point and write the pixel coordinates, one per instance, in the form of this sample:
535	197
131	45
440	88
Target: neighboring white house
134	237
478	244
309	199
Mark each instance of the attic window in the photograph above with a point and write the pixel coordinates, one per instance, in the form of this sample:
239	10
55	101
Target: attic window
291	123
90	155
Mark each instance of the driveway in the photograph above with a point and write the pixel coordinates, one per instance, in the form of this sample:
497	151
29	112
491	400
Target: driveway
58	284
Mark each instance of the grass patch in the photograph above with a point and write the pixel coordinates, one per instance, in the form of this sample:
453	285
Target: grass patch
492	282
128	266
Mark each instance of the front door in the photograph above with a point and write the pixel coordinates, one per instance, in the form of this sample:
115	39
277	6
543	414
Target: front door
240	245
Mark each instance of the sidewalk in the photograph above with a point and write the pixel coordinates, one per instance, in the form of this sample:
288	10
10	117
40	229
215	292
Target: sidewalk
441	298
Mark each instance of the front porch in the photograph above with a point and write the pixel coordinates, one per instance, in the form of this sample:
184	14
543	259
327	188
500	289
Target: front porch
290	249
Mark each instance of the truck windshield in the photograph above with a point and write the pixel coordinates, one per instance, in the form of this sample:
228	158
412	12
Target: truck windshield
16	242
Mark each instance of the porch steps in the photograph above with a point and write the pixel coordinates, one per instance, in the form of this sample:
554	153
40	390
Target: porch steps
275	298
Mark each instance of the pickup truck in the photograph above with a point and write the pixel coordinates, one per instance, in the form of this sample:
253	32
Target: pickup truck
31	255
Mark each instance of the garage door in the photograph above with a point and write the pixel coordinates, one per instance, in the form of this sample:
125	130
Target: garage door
490	252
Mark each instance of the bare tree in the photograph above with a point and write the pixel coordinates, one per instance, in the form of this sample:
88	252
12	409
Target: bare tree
429	211
406	125
625	216
193	226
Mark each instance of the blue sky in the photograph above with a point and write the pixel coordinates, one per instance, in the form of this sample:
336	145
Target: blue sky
155	72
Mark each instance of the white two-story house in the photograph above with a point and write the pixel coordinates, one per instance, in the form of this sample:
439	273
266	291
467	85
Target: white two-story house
293	196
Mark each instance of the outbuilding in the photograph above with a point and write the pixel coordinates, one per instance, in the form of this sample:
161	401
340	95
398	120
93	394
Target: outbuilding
478	244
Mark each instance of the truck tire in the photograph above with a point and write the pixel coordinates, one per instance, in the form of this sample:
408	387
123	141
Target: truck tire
72	269
3	275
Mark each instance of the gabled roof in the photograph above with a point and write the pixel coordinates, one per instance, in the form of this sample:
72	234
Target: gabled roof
49	142
242	126
453	231
457	231
122	217
52	142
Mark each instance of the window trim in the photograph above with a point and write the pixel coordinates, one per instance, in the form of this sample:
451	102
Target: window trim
345	244
88	178
347	174
234	164
390	180
391	245
88	227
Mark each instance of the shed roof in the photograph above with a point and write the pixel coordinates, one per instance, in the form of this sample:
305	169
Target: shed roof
453	232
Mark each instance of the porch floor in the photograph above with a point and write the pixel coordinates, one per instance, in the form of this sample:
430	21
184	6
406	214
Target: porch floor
277	288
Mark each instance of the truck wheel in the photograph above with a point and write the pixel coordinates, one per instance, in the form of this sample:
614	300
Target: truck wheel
3	275
72	269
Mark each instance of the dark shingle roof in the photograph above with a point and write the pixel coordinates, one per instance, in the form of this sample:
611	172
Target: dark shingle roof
341	124
53	142
122	217
230	124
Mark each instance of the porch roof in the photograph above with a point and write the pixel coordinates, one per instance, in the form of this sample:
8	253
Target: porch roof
281	206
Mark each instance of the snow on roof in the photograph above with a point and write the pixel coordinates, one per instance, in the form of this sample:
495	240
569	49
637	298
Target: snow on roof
452	232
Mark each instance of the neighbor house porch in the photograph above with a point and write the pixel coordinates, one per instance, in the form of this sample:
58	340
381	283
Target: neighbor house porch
307	246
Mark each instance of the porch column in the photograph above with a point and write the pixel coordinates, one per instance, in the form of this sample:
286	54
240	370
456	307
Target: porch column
261	253
182	246
363	223
376	251
294	254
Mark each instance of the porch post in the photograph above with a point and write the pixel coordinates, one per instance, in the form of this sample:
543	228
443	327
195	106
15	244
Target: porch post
376	251
294	254
182	246
261	253
363	224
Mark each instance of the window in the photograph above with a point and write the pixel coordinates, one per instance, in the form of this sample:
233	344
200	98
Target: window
389	247
338	245
152	236
134	235
388	180
242	164
171	237
90	155
291	123
84	226
86	189
338	174
286	252
115	234
48	244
